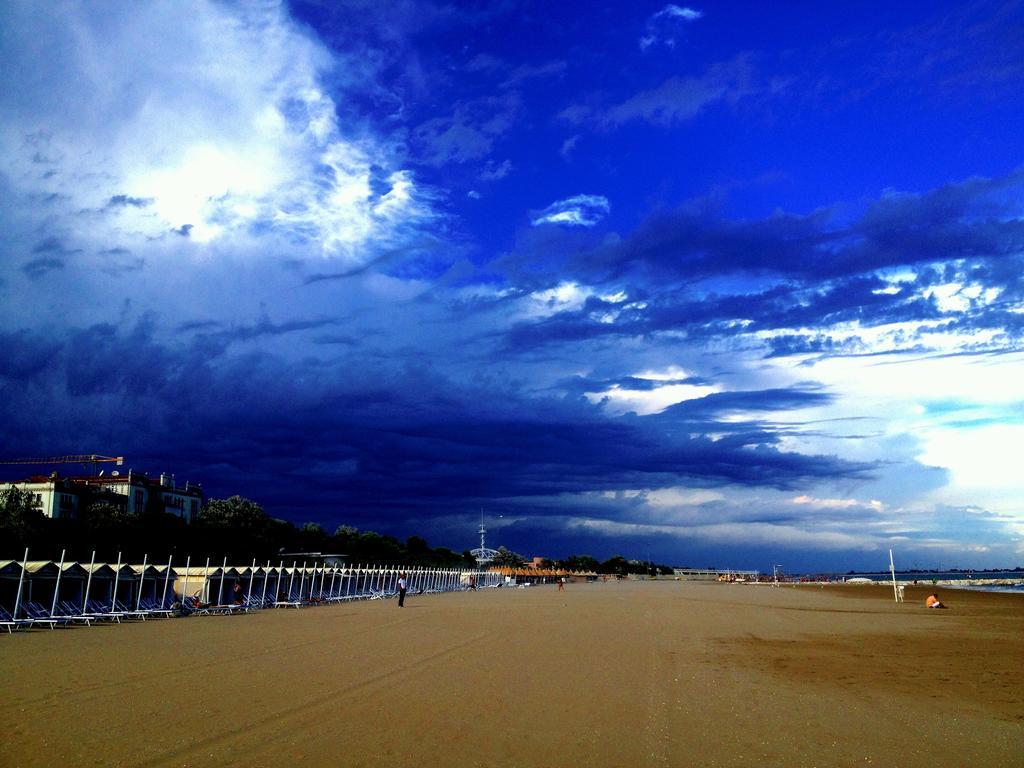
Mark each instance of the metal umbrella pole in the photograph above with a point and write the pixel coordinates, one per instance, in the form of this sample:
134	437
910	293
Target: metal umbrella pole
266	578
223	573
88	582
252	575
142	580
56	586
21	580
291	579
117	573
167	583
184	586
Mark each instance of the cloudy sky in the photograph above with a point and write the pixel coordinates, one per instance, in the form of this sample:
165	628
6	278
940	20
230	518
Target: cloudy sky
720	284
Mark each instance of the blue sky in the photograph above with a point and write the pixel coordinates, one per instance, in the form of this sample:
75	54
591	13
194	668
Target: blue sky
722	284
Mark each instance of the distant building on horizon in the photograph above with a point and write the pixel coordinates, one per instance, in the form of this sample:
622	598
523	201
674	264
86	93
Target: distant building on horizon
134	493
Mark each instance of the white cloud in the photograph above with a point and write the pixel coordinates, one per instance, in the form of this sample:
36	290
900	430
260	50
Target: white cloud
805	500
662	25
577	211
216	117
984	459
564	297
618	401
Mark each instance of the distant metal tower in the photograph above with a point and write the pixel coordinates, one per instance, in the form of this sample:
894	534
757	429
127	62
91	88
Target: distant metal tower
482	553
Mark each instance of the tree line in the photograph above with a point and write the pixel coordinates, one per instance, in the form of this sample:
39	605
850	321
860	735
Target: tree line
236	528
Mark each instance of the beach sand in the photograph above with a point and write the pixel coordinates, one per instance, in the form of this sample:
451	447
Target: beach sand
606	674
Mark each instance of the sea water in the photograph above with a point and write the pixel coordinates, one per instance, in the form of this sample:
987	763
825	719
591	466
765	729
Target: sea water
927	577
990	587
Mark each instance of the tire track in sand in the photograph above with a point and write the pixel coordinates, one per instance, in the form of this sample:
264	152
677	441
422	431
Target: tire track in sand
255	732
656	728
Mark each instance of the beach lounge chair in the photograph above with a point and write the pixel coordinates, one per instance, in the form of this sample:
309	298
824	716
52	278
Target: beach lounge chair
10	623
154	609
70	614
130	613
191	606
292	601
38	612
69	608
254	603
226	609
96	610
34	615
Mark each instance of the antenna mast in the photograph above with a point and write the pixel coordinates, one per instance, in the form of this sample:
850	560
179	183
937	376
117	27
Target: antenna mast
482	553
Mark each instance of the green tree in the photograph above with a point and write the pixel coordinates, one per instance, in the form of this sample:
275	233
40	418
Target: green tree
235	512
507	559
580	563
19	515
617	565
104	515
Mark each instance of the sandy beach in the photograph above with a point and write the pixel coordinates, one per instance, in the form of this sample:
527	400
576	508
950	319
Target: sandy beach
606	674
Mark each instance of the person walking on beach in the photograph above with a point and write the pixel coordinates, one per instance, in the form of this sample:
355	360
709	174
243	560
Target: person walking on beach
402	586
561	584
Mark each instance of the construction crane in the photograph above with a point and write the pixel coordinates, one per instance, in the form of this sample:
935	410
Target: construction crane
89	458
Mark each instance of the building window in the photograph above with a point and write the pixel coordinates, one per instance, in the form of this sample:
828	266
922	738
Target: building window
138	501
66	501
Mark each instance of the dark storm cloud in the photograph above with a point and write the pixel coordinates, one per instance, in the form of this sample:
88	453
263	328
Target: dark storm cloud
126	201
793	271
25	354
583	384
767	400
264	327
959	221
52	254
402	438
101	360
37	268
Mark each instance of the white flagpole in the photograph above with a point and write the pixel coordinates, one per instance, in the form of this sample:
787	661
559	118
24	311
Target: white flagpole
892	570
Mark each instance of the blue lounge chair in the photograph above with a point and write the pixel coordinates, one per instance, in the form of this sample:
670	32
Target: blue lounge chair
30	620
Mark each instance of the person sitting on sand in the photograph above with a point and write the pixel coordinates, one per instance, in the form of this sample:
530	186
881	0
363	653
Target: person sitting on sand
932	601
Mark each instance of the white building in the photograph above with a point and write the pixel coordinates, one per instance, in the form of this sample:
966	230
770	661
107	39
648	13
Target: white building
134	492
56	497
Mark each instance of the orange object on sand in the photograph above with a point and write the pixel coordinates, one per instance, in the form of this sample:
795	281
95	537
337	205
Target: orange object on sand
932	601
